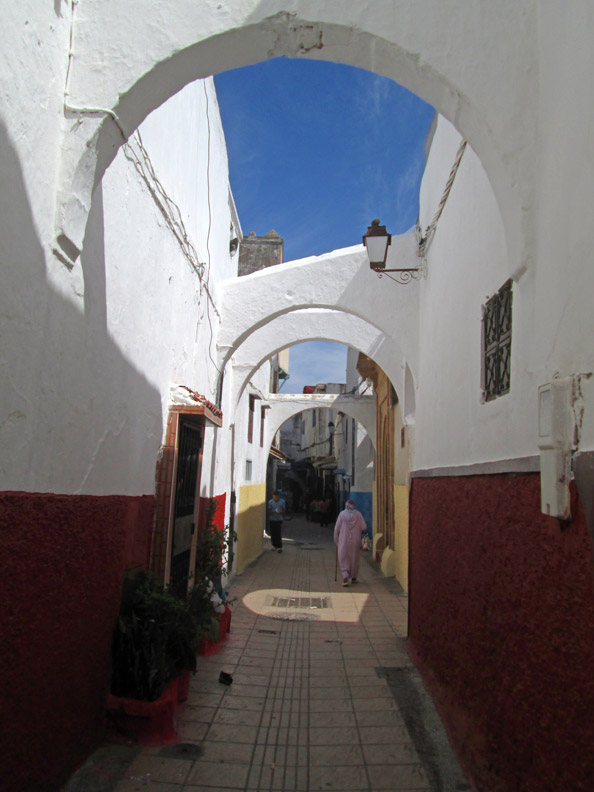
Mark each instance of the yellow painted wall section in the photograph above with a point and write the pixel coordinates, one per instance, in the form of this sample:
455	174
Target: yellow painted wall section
401	534
251	519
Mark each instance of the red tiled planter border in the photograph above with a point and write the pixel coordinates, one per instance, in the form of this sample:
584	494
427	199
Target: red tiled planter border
212	647
143	722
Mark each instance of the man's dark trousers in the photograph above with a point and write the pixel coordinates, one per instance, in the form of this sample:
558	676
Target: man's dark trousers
275	527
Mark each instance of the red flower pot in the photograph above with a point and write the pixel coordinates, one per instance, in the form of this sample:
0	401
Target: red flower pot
143	722
208	647
183	685
224	623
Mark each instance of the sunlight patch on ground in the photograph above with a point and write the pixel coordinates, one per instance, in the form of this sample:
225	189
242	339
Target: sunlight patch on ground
292	605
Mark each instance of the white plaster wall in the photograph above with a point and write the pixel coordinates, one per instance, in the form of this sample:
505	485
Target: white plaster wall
365	462
259	385
88	373
364	477
190	159
561	339
33	286
467	261
159	313
33	61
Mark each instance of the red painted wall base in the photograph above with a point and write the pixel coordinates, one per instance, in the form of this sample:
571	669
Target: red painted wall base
501	627
63	558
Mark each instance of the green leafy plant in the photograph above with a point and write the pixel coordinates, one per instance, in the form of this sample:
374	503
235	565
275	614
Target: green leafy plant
210	566
155	637
211	546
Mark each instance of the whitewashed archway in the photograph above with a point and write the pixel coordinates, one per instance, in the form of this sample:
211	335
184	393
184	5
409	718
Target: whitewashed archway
425	46
340	281
361	408
315	325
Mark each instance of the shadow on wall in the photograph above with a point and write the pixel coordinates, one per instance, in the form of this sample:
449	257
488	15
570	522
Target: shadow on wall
63	556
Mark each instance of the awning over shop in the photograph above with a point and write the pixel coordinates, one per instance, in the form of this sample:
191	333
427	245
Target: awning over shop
278	454
325	463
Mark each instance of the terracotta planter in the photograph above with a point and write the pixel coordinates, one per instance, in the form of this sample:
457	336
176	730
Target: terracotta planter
224	623
143	722
208	647
183	685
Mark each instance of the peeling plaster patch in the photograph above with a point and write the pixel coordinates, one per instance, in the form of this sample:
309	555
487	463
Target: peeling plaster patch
14	418
577	404
293	38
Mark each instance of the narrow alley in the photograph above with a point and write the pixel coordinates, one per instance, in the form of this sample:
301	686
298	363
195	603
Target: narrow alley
324	696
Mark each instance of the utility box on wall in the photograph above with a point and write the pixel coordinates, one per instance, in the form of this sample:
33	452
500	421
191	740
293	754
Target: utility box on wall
555	435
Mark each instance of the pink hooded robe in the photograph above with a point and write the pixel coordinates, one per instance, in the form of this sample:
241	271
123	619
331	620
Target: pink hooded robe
347	537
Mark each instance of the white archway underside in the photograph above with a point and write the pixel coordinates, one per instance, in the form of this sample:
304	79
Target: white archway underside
418	45
361	408
270	309
310	325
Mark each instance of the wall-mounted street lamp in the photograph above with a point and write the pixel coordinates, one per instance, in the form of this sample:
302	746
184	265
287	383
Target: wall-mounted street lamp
377	240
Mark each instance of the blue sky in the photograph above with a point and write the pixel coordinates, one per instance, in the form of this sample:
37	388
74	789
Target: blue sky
316	151
315	361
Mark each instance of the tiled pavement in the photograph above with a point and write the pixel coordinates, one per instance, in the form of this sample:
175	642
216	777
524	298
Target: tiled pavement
318	673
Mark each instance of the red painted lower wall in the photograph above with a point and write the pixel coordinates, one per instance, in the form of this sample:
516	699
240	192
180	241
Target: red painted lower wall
501	627
219	515
62	562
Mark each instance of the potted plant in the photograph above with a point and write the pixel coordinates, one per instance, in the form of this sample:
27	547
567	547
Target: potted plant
206	598
155	639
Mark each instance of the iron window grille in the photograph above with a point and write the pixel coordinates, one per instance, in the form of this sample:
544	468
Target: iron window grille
497	336
188	459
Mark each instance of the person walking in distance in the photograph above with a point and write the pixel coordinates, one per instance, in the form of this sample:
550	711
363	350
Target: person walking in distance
276	512
324	511
347	538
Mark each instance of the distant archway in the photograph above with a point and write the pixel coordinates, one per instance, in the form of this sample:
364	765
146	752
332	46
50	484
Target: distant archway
361	408
282	408
285	295
296	327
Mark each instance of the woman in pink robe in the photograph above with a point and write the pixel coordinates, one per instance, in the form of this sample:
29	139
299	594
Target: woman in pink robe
347	538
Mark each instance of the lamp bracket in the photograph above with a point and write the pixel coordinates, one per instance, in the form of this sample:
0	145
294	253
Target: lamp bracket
405	274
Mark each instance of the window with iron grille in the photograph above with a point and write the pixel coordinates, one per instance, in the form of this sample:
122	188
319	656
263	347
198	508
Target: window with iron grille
497	333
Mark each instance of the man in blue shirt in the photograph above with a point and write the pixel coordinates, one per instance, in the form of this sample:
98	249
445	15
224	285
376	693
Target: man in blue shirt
276	511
